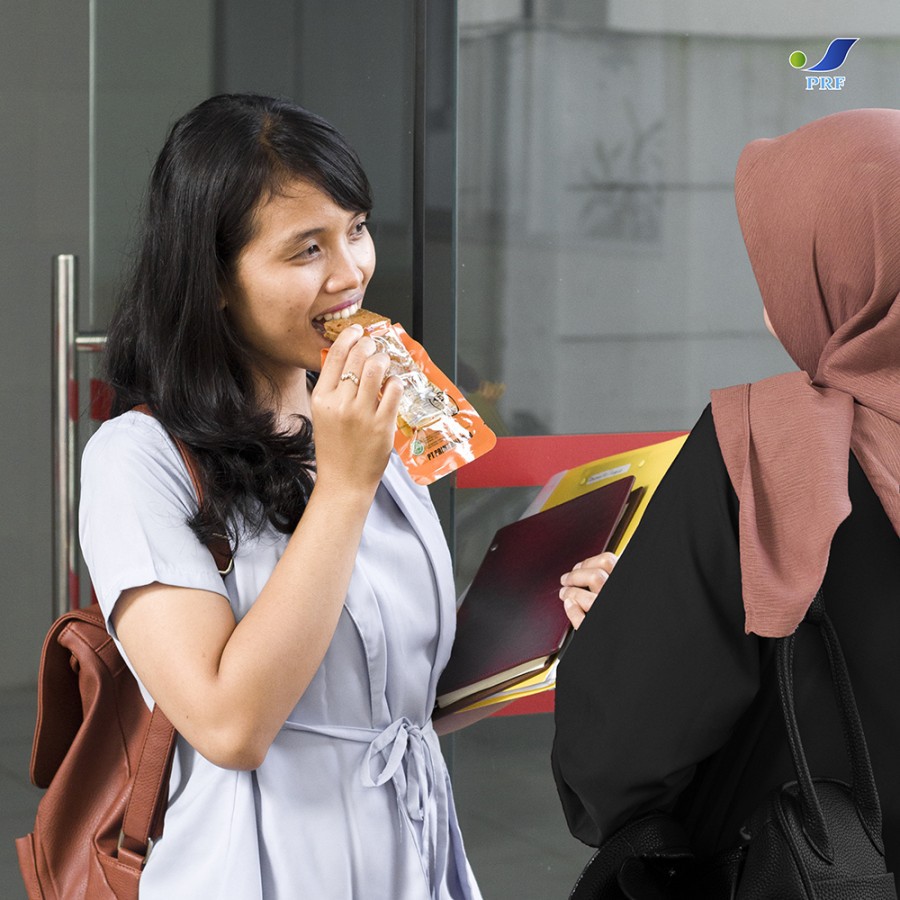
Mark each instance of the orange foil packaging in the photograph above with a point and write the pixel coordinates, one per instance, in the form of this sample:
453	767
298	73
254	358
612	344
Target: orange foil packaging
438	430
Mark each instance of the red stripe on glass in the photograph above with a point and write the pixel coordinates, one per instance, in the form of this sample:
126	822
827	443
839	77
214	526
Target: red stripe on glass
529	461
101	400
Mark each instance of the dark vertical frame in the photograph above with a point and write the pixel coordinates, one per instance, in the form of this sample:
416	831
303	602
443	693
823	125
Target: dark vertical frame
434	201
401	117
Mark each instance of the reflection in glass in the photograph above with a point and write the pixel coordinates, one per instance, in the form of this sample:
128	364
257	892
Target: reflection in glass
602	276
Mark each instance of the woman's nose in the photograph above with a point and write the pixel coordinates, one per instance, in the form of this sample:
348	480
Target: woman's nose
346	273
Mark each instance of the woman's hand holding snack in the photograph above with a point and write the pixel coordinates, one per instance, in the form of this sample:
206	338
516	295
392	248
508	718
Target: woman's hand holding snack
583	583
354	412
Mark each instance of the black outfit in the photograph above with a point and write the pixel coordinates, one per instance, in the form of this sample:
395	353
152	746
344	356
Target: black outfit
664	702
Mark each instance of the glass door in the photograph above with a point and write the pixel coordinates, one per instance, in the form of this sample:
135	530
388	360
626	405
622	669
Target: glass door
149	63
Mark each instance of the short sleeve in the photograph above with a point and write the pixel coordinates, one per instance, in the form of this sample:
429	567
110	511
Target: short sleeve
136	501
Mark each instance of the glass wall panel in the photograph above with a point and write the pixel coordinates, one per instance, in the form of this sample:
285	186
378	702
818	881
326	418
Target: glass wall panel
603	284
602	277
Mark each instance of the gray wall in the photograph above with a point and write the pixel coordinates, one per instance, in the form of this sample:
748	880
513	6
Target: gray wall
43	211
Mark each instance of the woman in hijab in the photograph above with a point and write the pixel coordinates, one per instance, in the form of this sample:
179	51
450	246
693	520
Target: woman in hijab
665	697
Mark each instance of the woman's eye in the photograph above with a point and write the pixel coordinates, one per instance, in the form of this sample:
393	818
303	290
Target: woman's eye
309	252
361	226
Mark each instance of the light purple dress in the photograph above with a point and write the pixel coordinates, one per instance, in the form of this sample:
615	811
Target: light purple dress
353	798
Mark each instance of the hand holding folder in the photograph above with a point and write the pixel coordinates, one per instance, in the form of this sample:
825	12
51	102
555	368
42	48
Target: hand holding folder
512	624
492	664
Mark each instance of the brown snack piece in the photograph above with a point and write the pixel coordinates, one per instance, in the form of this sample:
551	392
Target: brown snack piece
364	317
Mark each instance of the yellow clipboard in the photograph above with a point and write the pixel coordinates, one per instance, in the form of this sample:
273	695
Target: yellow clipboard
647	465
537	684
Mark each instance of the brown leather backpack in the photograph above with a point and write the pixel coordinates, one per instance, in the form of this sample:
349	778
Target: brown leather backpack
105	762
103	757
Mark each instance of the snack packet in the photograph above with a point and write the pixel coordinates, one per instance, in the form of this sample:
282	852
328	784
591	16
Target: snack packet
438	430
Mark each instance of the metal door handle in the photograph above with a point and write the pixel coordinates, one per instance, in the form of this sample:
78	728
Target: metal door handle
66	343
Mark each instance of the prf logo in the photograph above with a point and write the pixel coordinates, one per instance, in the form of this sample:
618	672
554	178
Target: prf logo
834	58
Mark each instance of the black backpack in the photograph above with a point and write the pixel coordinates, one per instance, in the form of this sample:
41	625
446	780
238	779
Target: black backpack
811	838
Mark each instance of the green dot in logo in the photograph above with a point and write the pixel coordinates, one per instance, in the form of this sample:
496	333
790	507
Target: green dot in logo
418	448
798	59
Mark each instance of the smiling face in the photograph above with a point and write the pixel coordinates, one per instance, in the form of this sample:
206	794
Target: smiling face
308	260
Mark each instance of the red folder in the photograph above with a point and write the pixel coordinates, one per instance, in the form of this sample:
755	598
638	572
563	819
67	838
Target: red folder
512	623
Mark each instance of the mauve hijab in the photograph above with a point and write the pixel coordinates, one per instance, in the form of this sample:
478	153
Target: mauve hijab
819	209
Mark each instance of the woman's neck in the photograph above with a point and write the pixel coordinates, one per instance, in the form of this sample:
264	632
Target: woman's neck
287	398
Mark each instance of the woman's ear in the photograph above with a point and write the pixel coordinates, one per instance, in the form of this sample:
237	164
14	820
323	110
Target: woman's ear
223	302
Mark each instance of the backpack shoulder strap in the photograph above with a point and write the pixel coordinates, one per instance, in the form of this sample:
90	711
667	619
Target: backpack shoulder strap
219	547
145	811
862	782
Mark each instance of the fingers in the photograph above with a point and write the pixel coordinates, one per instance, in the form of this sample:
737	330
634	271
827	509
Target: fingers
364	371
377	390
581	586
336	361
365	378
355	364
391	392
592	573
355	376
577	603
605	561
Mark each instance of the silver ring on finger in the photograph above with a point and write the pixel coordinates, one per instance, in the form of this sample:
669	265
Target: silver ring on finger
351	376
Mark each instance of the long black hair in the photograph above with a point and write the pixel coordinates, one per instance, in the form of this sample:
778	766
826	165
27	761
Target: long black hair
169	343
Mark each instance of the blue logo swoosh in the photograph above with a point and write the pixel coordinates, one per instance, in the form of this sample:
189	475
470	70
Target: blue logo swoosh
834	56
